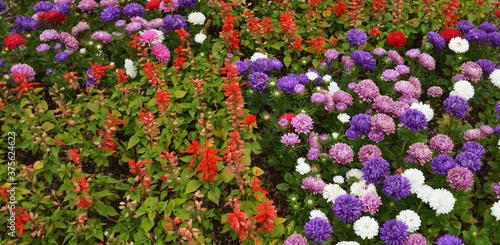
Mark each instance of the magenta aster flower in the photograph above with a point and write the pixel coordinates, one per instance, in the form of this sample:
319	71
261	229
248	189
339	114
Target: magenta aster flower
317	185
331	54
390	75
368	152
383	123
87	5
110	3
342	97
418	86
367	90
169	7
295	239
487	129
419	152
302	123
81	26
434	91
318	98
347	62
415	239
42	48
290	139
413	53
341	153
472	71
102	36
370	202
402	69
383	104
21	69
405	87
399	108
69	41
47	35
473	134
394	55
161	52
442	144
379	51
427	61
460	178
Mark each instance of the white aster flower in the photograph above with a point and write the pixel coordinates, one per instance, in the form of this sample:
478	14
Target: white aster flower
463	89
411	219
338	179
423	192
333	87
459	45
442	201
200	37
356	173
347	243
327	78
83	50
317	213
130	69
499	144
68	51
303	168
301	160
495	210
312	75
344	118
424	108
416	178
332	191
257	56
196	18
336	135
495	77
366	227
360	187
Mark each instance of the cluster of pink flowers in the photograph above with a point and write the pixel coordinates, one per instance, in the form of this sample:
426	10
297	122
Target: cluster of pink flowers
419	152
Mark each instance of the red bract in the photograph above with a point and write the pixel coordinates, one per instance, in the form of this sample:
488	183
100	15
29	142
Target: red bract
143	173
339	8
146	117
374	31
193	148
59	142
152	72
239	222
179	61
4	193
233	41
396	39
21	219
110	128
449	34
314	3
498	13
250	119
255	186
98	70
297	44
287	24
74	156
24	86
182	34
378	6
14	40
162	98
208	163
449	12
81	184
266	214
121	76
480	2
316	44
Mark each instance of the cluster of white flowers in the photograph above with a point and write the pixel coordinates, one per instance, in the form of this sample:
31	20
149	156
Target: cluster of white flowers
459	45
317	213
338	179
360	187
257	56
200	37
196	18
416	178
333	87
356	173
347	243
83	50
463	89
327	78
411	219
130	69
344	118
312	75
302	167
366	227
442	201
495	210
423	192
495	77
424	108
332	191
336	135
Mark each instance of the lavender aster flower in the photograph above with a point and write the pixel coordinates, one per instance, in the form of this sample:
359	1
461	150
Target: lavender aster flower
368	152
57	46
241	67
134	26
375	170
341	153
296	239
390	75
318	98
290	139
110	14
265	65
487	129
465	25
367	90
497	107
81	26
3	6
258	81
356	37
394	55
495	187
302	78
442	144
435	91
427	61
394	232
43	6
2	63
449	240
414	120
49	71
413	53
397	186
121	23
173	22
436	39
415	239
302	123
42	48
69	41
402	69
187	3
364	59
21	69
87	5
331	54
379	51
133	9
360	124
299	88
102	36
487	65
469	160
471	71
370	202
26	23
287	83
476	35
347	62
460	178
317	185
488	27
62	56
474	147
62	8
318	229
347	208
457	106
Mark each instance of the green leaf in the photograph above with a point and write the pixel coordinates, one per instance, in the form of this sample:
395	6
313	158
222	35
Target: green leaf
94	106
287	61
214	195
111	211
47	126
226	176
101	208
193	185
468	219
456	224
133	141
182	214
283	187
316	63
146	224
180	94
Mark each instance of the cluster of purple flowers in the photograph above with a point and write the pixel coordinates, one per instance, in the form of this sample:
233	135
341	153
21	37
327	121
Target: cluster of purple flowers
375	170
110	14
442	164
356	37
436	40
456	105
265	65
496	188
258	81
347	208
360	125
318	229
394	232
287	83
414	120
397	186
25	24
364	59
173	22
241	67
449	239
469	160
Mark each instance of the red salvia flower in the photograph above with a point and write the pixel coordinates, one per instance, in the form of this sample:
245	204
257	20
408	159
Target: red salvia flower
59	142
70	75
480	2
316	44
74	156
24	86
266	214
182	34
297	44
4	193
162	98
239	221
81	184
396	39
121	76
250	119
146	117
21	220
314	3
179	61
378	6
208	163
333	41
374	31
193	148
98	70
113	120
497	13
153	4
287	24
255	186
135	42
339	8
14	40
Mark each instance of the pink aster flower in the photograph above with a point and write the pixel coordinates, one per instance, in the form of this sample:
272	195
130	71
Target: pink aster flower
329	103
81	26
47	35
317	185
370	202
434	91
487	129
368	152
87	5
341	153
149	36
419	152
427	61
102	36
460	178
161	52
169	7
131	27
394	55
342	97
21	69
390	75
110	3
367	90
302	123
139	20
383	104
399	108
290	139
154	24
69	41
473	134
442	144
404	87
472	71
67	2
418	86
383	123
376	135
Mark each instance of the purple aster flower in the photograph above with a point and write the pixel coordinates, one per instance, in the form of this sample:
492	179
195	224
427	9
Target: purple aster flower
173	22
442	164
318	229
91	81
42	48
241	67
427	61
317	185
472	71
21	69
494	40
3	6
469	160
2	63
487	65
368	152
415	239
487	129
296	239
497	107
331	54
457	106
287	83
323	137
394	232
110	14
496	188
370	202
474	147
394	55
375	170
390	75
473	134
436	40
26	23
459	77
290	139
414	120
360	124
121	23
49	71
318	98
413	53
488	27
402	69
379	51
435	91
313	154
133	9
367	90
397	186
364	59
302	123
356	37
264	65
134	26
347	208
299	88
302	78
449	239
283	122
62	56
465	25
442	144
460	178
62	8
347	62
43	6
102	36
376	135
187	3
258	81
476	35
341	153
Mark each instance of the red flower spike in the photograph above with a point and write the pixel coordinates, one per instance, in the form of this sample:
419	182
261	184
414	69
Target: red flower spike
74	156
339	8
288	24
250	119
21	220
255	186
59	142
297	44
121	76
374	31
316	44
24	85
182	34
238	221
4	193
193	148
266	214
